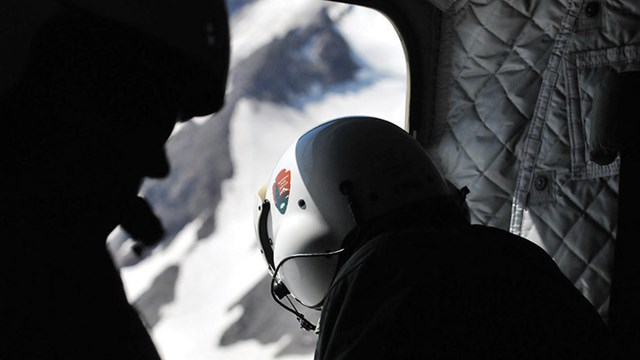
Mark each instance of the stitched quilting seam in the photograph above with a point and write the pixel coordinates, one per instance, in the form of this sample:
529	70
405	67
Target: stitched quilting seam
533	141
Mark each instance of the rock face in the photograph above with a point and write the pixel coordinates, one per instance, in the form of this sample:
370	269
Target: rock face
299	66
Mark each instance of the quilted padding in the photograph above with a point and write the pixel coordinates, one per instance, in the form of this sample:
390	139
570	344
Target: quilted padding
516	81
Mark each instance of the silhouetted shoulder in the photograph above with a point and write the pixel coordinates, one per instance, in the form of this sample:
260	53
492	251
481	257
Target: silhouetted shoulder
473	293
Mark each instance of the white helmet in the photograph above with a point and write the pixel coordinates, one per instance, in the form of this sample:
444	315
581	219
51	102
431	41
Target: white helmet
340	175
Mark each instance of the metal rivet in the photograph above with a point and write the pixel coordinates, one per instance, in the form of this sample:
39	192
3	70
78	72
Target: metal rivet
541	182
592	9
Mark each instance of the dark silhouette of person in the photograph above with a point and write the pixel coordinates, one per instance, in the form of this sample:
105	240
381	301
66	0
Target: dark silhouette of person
369	232
96	89
456	292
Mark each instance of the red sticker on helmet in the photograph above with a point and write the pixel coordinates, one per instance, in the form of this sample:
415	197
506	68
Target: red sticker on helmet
281	189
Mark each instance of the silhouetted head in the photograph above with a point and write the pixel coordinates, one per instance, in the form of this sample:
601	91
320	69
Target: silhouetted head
92	99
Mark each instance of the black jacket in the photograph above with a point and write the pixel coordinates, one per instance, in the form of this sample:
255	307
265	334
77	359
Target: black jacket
476	293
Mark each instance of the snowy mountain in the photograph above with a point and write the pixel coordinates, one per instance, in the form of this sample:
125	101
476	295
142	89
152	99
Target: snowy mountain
203	291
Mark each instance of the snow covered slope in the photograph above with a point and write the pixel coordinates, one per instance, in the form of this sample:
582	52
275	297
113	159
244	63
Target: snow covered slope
203	291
